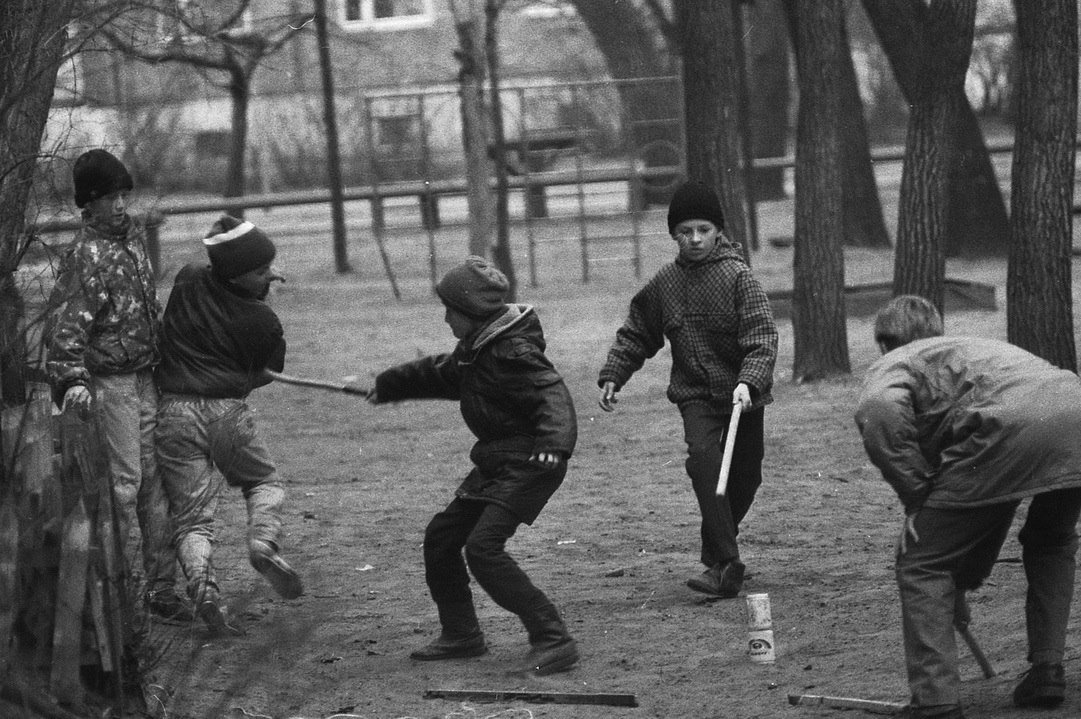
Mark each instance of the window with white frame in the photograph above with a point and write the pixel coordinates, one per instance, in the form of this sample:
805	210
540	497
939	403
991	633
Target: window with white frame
385	14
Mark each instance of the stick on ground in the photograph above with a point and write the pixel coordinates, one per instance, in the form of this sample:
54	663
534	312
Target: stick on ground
617	700
870	705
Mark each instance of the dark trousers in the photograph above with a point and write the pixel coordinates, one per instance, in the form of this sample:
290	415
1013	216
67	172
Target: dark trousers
482	529
957	549
704	430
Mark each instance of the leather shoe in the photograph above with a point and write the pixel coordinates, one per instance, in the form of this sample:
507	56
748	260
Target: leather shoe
448	647
723	580
1044	685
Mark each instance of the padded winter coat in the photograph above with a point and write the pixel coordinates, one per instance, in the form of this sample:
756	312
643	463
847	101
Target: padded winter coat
956	422
512	399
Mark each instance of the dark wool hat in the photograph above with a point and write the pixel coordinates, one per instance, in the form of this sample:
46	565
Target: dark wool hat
98	173
237	246
474	288
694	201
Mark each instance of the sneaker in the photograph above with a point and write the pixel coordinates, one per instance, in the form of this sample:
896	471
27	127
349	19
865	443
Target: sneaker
168	605
1044	685
266	560
213	615
723	580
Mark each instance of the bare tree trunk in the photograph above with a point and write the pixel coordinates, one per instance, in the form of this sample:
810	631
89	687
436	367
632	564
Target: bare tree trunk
770	96
475	129
32	39
501	253
978	221
818	320
1039	310
240	95
334	159
945	44
711	107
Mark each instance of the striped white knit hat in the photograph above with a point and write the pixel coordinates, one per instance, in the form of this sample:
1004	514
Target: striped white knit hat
237	246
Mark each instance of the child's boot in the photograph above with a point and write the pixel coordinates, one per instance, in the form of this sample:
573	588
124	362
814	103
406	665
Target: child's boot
552	649
461	636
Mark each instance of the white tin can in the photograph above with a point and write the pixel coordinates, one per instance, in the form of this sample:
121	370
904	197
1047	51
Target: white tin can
760	646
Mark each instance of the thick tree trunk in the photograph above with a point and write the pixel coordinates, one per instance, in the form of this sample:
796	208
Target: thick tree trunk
818	319
863	224
945	43
711	107
977	222
32	40
1039	310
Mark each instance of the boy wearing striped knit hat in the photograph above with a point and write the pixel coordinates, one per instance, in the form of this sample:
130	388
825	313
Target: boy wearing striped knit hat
219	338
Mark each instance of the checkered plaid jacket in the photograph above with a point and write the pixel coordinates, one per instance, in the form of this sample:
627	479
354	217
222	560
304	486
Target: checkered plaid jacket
718	320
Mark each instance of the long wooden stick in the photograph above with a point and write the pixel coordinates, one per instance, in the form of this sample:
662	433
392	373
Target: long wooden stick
977	652
538	697
729	446
870	705
318	383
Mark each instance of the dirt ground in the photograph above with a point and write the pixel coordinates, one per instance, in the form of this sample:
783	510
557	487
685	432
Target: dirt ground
612	549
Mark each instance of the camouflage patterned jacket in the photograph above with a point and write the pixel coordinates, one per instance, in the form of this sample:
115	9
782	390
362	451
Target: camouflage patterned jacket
105	318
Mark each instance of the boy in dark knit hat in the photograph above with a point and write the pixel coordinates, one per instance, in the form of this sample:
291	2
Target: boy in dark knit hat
102	333
219	338
518	406
724	344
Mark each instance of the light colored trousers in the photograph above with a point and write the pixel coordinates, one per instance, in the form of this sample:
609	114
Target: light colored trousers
126	408
202	441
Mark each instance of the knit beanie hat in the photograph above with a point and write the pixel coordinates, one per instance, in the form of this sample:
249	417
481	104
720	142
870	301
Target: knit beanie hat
694	201
475	288
98	173
237	246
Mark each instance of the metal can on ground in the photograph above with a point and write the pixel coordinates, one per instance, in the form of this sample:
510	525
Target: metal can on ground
760	646
758	612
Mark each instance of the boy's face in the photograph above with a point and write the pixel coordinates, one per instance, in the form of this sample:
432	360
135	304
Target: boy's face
461	325
257	282
110	210
696	238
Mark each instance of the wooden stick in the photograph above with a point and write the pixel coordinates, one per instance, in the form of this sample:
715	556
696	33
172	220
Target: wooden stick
71	595
870	705
729	446
538	697
318	383
977	652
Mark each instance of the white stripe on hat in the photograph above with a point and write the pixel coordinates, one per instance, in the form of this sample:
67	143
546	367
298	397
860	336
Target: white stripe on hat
242	229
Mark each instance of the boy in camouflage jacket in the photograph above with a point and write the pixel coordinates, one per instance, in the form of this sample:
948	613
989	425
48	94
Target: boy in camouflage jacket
103	331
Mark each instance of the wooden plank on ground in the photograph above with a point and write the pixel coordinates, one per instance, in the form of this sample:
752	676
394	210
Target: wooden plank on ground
535	697
870	705
70	599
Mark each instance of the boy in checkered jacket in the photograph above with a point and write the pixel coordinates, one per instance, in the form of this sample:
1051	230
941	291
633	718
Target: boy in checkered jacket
718	320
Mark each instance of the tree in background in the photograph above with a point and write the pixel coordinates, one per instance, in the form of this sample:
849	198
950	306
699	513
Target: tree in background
943	43
818	311
977	222
863	223
214	40
1039	310
32	47
711	102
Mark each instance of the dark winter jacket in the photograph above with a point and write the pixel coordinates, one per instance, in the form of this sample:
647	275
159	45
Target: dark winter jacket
964	422
104	310
512	399
719	321
217	339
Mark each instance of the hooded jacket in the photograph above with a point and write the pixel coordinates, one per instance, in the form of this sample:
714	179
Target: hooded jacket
512	399
956	422
718	319
104	310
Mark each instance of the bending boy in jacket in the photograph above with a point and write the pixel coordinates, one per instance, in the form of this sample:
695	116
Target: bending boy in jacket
103	332
964	429
219	338
724	345
519	409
